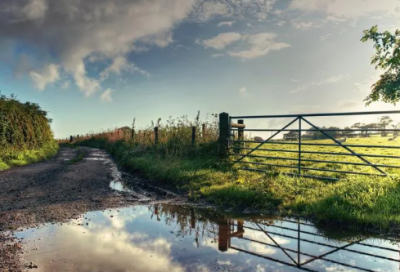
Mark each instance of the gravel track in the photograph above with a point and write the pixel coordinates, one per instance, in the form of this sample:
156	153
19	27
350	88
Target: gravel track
57	190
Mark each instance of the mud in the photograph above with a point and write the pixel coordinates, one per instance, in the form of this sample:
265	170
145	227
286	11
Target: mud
59	190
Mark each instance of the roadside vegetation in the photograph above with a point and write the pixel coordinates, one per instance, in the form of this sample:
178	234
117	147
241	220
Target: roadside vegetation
358	201
25	133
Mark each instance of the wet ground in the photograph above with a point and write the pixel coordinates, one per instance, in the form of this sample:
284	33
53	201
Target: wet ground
89	216
59	190
165	237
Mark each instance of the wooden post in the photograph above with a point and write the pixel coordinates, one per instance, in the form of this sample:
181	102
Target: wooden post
240	131
204	130
155	135
241	134
224	134
193	136
133	135
223	235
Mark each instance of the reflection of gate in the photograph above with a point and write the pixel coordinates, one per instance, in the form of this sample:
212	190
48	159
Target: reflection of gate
265	163
227	231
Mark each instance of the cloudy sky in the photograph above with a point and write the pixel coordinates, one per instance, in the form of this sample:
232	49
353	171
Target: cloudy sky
96	64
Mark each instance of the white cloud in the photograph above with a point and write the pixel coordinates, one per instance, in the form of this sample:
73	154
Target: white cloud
48	75
35	9
222	40
66	84
81	33
324	37
217	55
259	45
119	65
344	9
243	91
207	10
226	23
106	96
281	23
73	31
238	9
364	86
302	25
329	80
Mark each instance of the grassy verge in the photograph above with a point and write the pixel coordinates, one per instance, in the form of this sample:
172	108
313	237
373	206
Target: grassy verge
81	154
10	158
357	201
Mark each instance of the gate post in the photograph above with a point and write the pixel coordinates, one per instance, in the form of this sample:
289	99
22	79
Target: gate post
224	132
241	134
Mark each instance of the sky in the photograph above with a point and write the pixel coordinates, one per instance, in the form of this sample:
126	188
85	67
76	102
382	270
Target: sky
97	64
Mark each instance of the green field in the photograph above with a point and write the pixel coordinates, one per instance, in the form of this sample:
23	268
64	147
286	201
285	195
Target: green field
335	162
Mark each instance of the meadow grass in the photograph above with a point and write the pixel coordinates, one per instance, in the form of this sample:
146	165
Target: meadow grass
355	201
334	160
358	201
10	158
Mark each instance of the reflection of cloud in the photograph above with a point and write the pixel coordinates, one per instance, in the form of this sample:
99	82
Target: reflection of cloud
260	236
134	251
105	245
259	248
260	268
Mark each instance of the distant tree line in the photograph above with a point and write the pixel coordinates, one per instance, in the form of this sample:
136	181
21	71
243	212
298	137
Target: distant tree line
363	130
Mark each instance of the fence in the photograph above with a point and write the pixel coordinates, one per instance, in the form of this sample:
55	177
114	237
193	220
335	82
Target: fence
153	136
227	232
288	242
382	159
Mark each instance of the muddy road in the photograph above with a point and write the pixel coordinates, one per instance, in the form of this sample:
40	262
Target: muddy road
73	215
63	188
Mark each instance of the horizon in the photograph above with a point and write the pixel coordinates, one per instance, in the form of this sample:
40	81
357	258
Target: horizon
98	65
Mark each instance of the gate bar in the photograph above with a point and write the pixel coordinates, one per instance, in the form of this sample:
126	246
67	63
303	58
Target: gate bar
317	114
321	153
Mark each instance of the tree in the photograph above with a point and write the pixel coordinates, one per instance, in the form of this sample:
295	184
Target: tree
387	58
291	136
384	121
396	133
348	132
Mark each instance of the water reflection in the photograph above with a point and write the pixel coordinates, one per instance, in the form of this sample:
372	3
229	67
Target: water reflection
183	238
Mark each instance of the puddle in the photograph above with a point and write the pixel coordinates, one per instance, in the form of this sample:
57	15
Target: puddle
182	238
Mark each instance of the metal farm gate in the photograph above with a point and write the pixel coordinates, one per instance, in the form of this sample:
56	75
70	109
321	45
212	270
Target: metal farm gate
373	149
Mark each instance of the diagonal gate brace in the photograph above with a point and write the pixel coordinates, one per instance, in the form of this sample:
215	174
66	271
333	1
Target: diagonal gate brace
344	146
267	140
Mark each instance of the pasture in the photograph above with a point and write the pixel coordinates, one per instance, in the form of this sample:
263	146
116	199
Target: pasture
338	159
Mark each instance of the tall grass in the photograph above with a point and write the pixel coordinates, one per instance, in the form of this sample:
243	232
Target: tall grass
356	201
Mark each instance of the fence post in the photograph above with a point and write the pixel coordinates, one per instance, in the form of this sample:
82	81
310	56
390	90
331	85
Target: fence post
133	134
204	130
299	166
224	132
240	135
155	135
193	136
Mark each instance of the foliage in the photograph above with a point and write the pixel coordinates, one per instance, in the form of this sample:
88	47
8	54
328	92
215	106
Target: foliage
387	58
197	171
174	137
25	133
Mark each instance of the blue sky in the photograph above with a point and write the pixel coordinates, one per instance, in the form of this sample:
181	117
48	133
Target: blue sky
96	64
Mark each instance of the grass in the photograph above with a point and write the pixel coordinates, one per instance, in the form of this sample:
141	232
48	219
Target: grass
81	154
335	160
368	202
10	158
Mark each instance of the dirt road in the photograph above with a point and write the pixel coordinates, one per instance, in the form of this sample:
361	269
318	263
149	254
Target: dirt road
63	188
